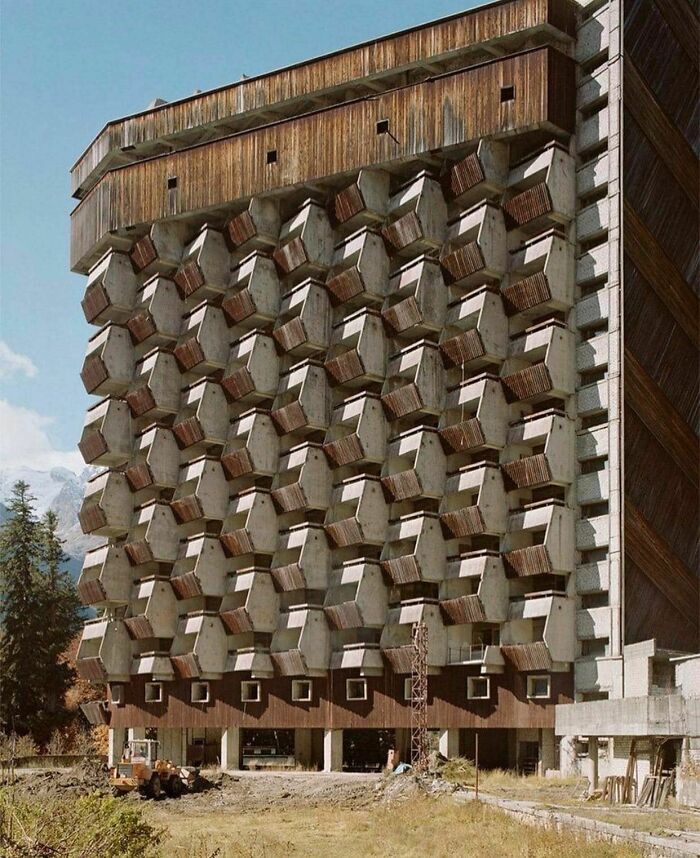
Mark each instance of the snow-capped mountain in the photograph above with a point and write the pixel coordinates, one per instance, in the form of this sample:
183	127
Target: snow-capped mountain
61	491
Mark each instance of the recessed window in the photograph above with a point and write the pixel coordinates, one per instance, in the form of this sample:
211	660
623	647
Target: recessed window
507	93
200	692
383	126
538	687
153	692
116	692
172	183
301	690
356	689
250	691
272	156
408	689
478	688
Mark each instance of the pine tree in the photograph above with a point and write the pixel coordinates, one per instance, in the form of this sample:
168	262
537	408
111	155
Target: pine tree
21	623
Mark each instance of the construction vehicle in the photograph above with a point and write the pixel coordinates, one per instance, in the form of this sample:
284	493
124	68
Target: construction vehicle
141	769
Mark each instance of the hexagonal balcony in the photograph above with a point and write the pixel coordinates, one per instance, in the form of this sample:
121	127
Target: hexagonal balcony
104	652
204	270
475	416
475	250
157	315
303	400
541	276
199	649
357	353
303	326
154	392
360	270
542	617
252	372
475	502
417	216
415	382
252	446
414	549
541	190
153	664
160	250
540	364
250	526
417	299
301	644
106	577
106	436
203	345
475	590
152	609
253	296
303	481
200	569
540	540
107	505
479	175
153	536
414	466
255	228
363	202
357	433
305	244
202	492
476	331
540	451
357	597
155	463
251	605
109	362
302	560
396	643
110	290
358	514
202	420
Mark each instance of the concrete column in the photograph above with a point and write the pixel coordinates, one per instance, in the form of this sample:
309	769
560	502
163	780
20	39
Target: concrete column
593	757
115	745
302	746
332	750
448	742
547	751
568	761
230	749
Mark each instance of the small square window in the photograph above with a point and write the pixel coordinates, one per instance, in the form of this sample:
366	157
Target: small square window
356	689
272	156
250	691
507	93
153	692
538	687
301	690
200	692
172	183
478	688
383	126
116	693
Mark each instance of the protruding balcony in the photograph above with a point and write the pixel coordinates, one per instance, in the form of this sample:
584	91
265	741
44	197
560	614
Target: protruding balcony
106	437
155	391
475	250
478	176
205	267
555	614
200	569
396	642
542	190
104	652
417	299
252	372
541	277
250	527
415	382
417	216
541	364
157	315
203	346
109	362
357	597
540	540
251	604
475	416
306	243
414	549
303	326
153	536
155	665
256	228
203	417
301	645
303	402
360	270
357	353
303	481
302	560
106	577
475	589
253	659
358	514
541	451
155	463
253	296
363	202
199	650
160	250
107	505
252	446
414	466
476	331
110	290
357	433
475	502
202	492
152	609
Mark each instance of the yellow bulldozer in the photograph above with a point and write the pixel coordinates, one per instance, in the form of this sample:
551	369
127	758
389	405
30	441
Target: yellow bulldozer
141	769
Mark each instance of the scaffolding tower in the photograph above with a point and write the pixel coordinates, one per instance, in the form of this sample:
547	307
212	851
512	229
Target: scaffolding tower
419	696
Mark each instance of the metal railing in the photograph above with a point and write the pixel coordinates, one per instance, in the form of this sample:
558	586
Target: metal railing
467	652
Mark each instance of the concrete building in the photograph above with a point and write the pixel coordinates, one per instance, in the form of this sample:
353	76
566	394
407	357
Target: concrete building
404	333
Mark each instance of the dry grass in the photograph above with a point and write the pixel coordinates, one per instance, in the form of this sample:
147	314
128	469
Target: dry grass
654	821
509	784
417	827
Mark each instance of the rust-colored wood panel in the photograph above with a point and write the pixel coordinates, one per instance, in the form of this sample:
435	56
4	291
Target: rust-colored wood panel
448	110
683	21
649	404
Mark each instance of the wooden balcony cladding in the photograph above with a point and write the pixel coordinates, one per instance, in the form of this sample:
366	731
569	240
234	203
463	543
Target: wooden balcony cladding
370	60
186	586
400	658
403	486
528	472
345	367
462	349
187	509
402	570
527	293
237	542
402	401
344	616
288	578
402	316
463	176
289	498
92	669
236	464
528	382
346	285
143	253
96	712
464	609
139	628
467	521
237	621
533	656
524	562
289	663
344	451
455	108
91	592
462	262
528	206
345	533
467	435
185	666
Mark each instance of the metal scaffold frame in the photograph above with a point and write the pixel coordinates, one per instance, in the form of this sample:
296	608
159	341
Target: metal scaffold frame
419	696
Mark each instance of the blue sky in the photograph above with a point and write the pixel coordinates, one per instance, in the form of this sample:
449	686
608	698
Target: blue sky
66	68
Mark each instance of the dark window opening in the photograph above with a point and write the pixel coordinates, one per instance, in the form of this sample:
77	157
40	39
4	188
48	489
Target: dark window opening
383	126
172	183
507	93
272	156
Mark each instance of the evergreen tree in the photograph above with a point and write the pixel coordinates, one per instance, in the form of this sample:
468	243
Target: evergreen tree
21	601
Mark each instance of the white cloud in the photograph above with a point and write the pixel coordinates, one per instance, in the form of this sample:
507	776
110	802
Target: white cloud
24	441
13	363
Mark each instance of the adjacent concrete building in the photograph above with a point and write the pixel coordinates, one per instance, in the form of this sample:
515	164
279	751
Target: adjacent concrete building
404	333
